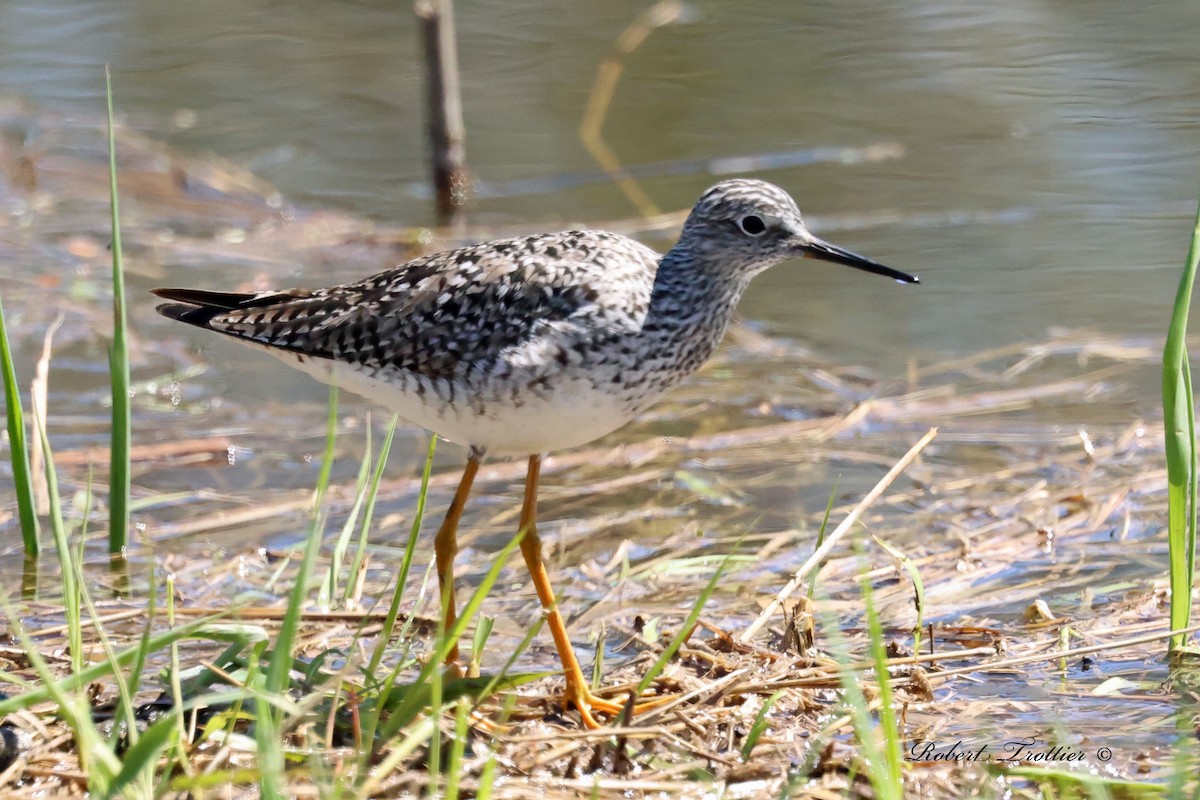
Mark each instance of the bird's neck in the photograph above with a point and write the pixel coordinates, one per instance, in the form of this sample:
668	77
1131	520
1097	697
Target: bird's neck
691	304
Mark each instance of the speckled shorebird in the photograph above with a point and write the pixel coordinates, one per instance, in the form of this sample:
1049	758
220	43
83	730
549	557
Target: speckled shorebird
521	346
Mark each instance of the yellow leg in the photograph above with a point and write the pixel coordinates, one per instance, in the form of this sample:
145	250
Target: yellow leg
577	691
445	546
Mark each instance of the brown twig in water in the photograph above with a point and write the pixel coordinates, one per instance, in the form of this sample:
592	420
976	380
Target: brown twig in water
212	446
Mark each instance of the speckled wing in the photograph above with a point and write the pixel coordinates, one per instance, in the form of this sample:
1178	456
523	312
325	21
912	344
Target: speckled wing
448	313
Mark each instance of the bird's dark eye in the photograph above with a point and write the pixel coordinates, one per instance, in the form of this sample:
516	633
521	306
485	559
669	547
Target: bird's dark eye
752	224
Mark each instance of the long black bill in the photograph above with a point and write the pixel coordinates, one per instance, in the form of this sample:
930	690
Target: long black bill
820	249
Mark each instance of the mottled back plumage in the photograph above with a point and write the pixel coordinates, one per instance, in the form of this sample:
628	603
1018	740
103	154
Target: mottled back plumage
520	345
443	315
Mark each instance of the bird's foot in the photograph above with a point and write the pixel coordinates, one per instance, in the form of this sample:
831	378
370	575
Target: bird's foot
585	701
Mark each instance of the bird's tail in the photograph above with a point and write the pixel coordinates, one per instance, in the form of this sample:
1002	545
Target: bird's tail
198	307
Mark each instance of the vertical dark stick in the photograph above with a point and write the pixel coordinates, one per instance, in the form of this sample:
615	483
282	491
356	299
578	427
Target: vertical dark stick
445	106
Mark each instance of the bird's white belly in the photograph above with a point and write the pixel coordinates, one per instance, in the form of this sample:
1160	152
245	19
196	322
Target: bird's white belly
574	413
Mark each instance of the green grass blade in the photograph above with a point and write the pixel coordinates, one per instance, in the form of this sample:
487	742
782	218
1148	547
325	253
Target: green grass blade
684	631
872	752
487	778
389	623
329	589
71	600
273	782
22	476
760	725
118	362
918	589
95	757
1180	442
887	775
812	576
502	676
457	747
388	685
419	734
175	686
40	693
483	631
1192	490
1184	763
360	551
123	715
414	700
140	762
1051	783
598	661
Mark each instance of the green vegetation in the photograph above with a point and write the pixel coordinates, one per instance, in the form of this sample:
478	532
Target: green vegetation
914	575
874	723
1179	419
18	449
118	362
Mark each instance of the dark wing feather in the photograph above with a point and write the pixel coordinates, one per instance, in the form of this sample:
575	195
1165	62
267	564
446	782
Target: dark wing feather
199	297
434	316
200	308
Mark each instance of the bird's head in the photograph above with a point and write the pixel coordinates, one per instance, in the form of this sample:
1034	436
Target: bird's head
745	226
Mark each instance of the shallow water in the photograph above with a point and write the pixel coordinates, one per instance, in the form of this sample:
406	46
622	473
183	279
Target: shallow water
1039	175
